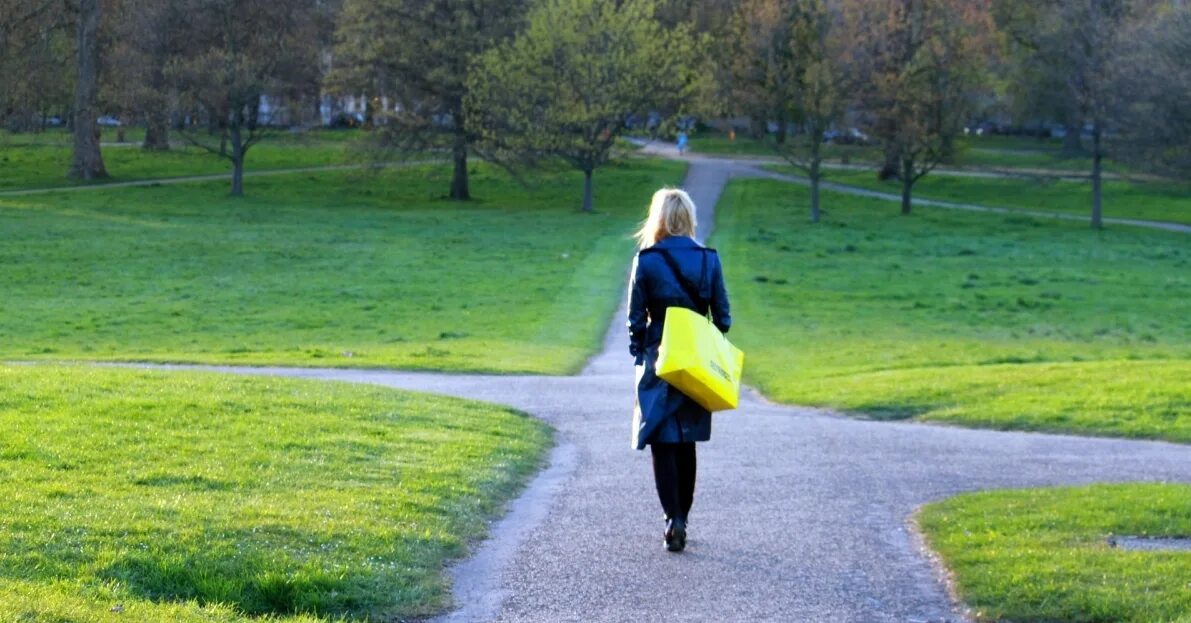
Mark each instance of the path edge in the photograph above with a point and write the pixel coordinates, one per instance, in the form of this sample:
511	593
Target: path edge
942	573
475	580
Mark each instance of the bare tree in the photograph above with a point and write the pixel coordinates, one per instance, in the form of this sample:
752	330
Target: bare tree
243	62
144	36
420	53
921	64
784	57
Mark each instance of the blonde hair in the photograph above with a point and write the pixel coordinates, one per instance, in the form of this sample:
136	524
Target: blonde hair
671	213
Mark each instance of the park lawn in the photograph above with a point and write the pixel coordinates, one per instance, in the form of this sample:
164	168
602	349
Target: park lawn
1042	554
1153	201
976	319
356	269
1000	152
718	143
45	166
192	496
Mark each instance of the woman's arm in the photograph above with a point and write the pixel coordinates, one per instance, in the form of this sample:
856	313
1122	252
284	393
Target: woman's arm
637	314
720	314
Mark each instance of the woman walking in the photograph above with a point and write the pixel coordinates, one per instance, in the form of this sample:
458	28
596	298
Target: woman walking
671	270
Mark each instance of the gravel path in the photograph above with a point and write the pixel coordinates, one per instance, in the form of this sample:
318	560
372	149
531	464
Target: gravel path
801	515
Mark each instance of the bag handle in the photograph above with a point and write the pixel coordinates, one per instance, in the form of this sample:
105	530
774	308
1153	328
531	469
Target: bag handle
690	289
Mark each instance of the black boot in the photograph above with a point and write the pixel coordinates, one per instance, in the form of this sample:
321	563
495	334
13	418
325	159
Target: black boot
675	535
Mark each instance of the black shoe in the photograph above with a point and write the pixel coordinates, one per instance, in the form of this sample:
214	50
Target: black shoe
676	535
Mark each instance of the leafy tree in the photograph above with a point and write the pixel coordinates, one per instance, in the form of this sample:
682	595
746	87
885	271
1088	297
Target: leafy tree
1153	123
1081	39
36	72
1035	86
419	53
145	34
239	55
785	58
921	64
568	84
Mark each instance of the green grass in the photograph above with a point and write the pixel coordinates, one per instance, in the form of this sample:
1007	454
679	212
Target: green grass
718	144
44	165
205	497
1155	201
330	269
984	320
1042	554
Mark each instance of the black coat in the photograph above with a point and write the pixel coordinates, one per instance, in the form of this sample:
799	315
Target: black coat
664	414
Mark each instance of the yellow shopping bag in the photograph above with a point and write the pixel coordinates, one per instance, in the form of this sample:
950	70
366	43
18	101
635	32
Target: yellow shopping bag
699	361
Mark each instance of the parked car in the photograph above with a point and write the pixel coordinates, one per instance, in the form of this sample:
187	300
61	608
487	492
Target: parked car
850	136
108	121
346	120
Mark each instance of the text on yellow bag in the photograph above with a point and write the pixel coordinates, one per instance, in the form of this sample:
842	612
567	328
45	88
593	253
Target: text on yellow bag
699	361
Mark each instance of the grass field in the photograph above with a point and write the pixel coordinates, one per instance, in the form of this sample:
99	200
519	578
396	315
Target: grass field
985	152
986	320
1155	201
719	144
1042	554
329	269
41	160
202	497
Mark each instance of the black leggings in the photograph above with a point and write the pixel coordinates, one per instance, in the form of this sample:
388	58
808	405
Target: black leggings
674	474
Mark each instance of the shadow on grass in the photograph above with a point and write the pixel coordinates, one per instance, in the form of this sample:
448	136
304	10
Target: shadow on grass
264	583
886	413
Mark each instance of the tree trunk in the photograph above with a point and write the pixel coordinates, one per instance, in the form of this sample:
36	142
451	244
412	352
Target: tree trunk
816	172
780	136
1097	156
907	184
1072	143
237	161
758	127
587	202
87	162
947	148
157	131
459	183
892	167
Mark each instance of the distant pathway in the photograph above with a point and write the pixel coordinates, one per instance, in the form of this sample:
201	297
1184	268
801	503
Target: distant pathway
800	515
969	207
752	167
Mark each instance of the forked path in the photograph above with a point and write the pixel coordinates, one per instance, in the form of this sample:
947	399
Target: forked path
799	516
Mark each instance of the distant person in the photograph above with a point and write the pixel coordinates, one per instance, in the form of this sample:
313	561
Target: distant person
664	418
682	139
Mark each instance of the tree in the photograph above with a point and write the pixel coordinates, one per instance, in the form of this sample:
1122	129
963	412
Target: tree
1153	124
784	58
87	161
567	85
244	61
1082	39
921	63
418	54
145	35
1035	86
36	72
